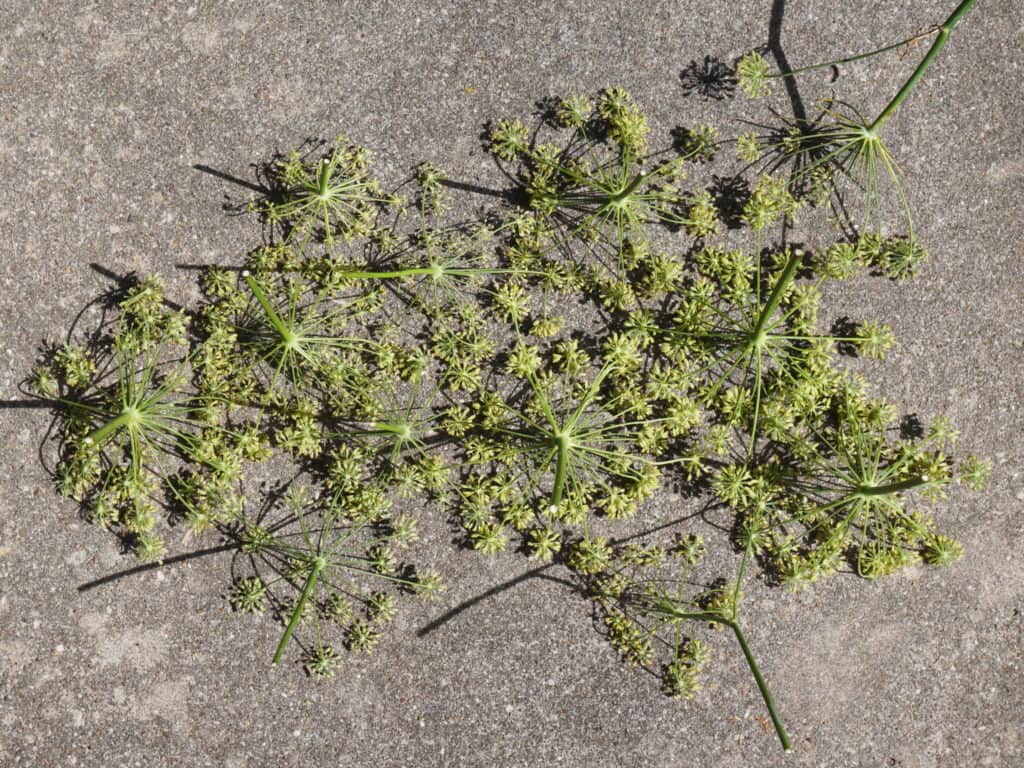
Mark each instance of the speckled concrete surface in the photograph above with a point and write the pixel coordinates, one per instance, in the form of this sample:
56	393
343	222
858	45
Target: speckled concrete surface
105	109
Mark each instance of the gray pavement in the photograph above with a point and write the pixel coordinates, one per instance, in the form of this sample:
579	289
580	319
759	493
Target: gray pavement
105	109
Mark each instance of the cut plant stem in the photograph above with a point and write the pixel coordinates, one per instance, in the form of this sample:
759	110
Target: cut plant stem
436	271
855	57
623	195
762	686
563	445
667	607
126	418
944	29
891	488
757	334
323	178
428	271
318	565
286	334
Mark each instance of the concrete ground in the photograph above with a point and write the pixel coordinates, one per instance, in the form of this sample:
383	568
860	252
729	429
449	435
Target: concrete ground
105	110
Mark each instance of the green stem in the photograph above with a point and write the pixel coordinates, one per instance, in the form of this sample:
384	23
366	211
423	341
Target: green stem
387	275
788	273
323	176
561	466
318	565
272	315
390	429
431	271
850	59
891	488
628	190
667	607
127	416
944	29
766	694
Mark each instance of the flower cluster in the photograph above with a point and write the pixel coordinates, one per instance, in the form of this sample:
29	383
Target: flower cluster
538	374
